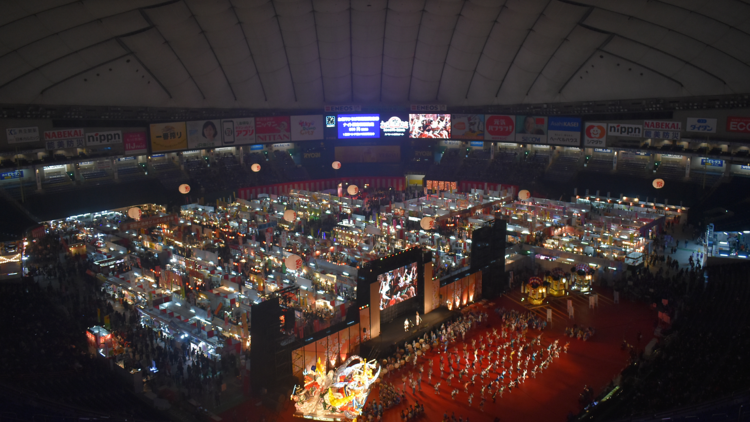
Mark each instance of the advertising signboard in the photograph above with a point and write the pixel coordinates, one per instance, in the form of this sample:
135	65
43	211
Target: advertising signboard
64	138
394	126
467	126
240	131
499	128
531	129
430	126
20	135
273	129
358	126
135	143
168	136
594	134
204	134
307	128
564	131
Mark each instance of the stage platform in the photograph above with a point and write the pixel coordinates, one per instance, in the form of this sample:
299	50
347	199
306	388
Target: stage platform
392	334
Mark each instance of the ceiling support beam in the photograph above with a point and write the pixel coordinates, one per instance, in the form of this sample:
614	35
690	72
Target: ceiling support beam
502	81
83	71
448	50
351	55
89	22
317	43
583	18
210	47
479	59
416	44
244	37
286	54
660	26
659	50
572	75
150	22
382	52
123	45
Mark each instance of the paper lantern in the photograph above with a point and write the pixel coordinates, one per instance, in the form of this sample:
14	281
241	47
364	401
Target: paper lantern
353	190
255	168
184	188
427	223
293	262
524	195
290	215
658	183
135	213
336	165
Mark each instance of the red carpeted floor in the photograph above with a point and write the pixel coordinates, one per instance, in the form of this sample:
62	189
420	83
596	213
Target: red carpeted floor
548	397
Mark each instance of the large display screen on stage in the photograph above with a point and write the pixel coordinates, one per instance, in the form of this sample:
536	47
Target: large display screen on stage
430	126
358	126
398	285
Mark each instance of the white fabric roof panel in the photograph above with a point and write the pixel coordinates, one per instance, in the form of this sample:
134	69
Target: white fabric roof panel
306	53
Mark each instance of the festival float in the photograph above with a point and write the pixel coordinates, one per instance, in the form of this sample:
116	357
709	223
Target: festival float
557	281
583	275
338	395
536	291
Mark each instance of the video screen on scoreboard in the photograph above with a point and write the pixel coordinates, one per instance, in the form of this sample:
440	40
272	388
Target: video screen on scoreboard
430	126
358	126
397	285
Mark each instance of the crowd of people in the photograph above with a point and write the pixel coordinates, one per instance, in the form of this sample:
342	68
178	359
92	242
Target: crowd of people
469	360
701	355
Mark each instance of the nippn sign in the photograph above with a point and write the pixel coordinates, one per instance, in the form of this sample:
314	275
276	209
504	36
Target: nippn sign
103	138
625	130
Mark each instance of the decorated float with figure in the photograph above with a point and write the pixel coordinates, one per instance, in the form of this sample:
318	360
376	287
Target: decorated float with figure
536	290
338	395
582	277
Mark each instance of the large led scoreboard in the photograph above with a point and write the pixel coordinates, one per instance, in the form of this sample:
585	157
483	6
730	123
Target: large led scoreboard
389	126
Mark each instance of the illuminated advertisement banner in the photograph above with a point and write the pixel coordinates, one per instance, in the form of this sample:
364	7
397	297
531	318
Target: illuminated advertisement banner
239	131
595	134
564	131
204	134
168	136
273	129
499	127
738	124
358	126
467	126
531	129
64	138
135	143
103	138
19	135
699	124
307	128
394	126
430	126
